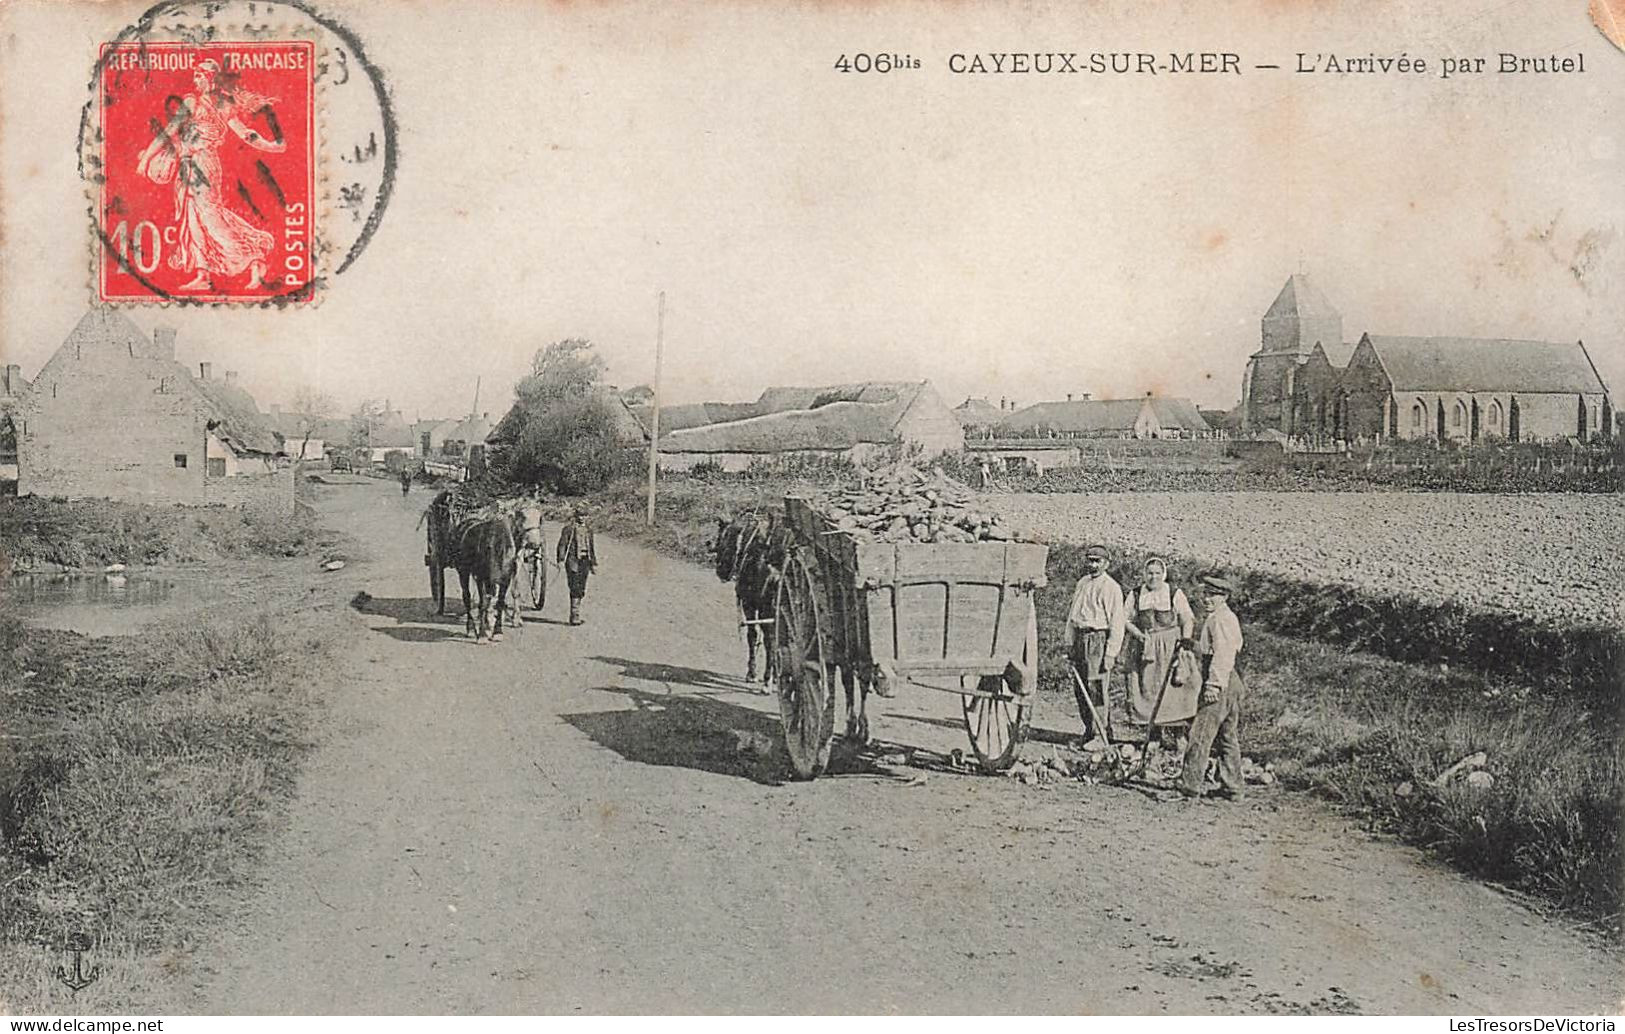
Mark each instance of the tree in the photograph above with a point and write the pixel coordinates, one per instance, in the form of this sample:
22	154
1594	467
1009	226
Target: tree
311	408
564	432
568	369
365	420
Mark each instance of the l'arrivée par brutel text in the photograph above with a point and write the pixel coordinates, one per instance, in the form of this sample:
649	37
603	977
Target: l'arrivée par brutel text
1124	62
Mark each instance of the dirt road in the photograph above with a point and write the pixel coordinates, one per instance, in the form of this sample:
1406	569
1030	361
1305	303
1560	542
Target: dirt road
593	819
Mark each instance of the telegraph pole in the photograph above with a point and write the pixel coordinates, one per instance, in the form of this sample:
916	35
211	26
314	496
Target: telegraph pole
654	421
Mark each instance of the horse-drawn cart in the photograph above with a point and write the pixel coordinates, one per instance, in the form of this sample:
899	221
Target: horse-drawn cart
955	616
446	519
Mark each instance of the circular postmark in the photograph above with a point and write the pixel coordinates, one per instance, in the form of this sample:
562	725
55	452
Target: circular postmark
233	152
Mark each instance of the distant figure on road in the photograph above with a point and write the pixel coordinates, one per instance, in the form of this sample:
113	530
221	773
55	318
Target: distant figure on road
579	557
1218	712
1094	634
406	481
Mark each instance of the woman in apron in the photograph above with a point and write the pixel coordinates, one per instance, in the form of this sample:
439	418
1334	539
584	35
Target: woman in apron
1163	617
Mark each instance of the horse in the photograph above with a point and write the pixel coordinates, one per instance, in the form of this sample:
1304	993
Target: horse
486	554
526	524
750	552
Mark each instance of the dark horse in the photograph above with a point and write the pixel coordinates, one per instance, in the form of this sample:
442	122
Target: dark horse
751	549
486	553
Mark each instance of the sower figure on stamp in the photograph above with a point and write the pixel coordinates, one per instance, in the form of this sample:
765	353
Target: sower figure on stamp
579	557
1218	714
1094	635
212	239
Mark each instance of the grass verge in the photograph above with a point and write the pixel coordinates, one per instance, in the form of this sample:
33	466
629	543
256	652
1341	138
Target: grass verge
1367	733
138	778
96	532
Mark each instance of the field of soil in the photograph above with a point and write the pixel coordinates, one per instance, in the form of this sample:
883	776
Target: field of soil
1552	557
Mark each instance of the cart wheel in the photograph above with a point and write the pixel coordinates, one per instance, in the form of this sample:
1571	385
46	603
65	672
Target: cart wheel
806	704
997	725
536	581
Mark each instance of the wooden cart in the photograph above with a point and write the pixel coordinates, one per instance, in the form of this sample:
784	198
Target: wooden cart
955	617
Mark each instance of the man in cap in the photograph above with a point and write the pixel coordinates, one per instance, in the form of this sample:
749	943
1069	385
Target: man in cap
1218	712
1094	633
579	557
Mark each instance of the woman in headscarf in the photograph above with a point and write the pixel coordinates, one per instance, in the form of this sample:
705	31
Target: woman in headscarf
1162	615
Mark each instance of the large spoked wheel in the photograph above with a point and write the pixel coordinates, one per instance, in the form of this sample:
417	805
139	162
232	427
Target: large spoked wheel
998	724
536	580
806	703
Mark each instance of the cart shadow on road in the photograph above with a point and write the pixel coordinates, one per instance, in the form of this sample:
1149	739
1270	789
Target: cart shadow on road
677	675
710	735
681	731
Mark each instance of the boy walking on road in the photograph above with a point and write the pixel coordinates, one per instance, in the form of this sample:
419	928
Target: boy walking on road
1218	713
579	557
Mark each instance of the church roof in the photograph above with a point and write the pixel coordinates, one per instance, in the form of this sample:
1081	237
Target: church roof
1301	299
1485	364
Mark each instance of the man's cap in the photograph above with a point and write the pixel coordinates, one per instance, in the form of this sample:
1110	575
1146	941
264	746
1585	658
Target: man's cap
1219	582
1097	551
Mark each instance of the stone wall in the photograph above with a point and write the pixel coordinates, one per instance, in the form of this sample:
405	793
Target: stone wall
270	493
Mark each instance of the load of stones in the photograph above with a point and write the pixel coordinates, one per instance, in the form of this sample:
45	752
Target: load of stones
906	505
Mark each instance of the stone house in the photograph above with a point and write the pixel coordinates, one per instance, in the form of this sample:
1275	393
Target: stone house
114	415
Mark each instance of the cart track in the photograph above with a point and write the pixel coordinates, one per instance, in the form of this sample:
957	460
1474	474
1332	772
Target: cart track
595	819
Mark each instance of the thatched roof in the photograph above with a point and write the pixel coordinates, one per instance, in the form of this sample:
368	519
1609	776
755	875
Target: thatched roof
238	421
835	419
1485	364
977	411
1177	414
1085	416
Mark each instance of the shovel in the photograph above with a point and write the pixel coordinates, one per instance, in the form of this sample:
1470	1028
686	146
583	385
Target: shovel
1100	726
1156	709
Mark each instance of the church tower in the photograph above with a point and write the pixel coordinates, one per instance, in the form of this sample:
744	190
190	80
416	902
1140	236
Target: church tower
1299	317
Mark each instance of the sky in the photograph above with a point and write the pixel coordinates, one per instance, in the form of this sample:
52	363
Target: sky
1015	237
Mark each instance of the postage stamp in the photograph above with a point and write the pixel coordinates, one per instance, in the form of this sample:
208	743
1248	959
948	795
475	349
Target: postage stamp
208	154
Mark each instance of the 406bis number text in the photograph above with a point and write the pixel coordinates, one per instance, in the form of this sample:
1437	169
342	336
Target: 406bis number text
879	63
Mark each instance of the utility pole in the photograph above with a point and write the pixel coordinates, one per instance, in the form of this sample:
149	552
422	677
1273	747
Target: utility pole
654	421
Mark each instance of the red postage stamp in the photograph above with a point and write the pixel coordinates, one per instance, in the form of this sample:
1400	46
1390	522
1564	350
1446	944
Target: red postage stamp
208	172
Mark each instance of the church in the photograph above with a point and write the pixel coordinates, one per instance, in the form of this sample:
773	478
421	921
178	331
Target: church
1305	380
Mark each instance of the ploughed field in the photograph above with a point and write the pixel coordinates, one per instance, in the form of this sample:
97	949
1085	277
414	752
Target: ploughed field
1554	558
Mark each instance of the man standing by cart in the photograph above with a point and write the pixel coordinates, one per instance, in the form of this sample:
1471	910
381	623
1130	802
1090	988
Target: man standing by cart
1094	635
1218	713
579	557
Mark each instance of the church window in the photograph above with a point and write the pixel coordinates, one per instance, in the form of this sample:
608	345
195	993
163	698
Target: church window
1416	415
1495	414
1458	416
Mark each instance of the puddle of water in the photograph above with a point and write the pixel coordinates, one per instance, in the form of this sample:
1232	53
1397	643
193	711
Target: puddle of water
91	604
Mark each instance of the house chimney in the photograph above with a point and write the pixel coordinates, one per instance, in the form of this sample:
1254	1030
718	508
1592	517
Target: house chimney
14	379
1004	403
231	377
1085	397
163	342
1069	396
205	371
